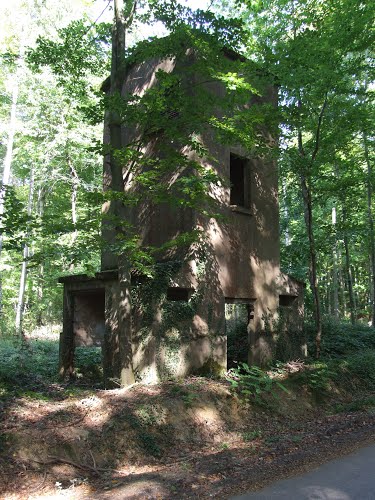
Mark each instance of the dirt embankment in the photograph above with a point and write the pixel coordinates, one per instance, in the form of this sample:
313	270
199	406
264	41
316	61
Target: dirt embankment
193	439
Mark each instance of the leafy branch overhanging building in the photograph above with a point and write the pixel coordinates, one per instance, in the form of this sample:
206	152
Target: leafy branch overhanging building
179	323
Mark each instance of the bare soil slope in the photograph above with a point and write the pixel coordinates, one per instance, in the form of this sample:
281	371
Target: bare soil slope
193	439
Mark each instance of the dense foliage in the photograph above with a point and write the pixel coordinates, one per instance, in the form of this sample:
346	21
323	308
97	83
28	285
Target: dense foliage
49	224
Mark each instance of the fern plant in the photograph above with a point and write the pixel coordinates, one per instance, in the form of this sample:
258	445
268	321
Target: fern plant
252	381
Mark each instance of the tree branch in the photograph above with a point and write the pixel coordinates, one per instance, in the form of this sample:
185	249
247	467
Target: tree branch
131	14
318	130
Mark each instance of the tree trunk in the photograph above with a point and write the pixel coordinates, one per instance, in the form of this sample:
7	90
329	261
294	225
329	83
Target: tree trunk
40	282
118	74
9	150
73	199
10	144
7	166
306	195
356	297
286	213
371	227
335	289
21	292
348	270
341	282
307	204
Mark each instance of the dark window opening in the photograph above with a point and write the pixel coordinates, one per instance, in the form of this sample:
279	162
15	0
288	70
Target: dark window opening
239	315
239	181
177	293
286	300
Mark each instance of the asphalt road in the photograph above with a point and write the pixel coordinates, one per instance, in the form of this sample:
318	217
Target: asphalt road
348	478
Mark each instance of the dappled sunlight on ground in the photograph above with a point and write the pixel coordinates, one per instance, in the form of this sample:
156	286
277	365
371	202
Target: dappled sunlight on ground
46	332
192	438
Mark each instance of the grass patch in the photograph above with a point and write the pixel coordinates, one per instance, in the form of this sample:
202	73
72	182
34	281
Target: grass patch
251	435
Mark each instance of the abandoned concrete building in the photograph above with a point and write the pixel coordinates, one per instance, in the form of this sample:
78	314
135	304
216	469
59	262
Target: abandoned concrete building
211	304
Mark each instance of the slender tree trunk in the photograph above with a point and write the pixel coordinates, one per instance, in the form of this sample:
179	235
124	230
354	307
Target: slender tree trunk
371	227
305	183
7	166
335	290
306	195
6	175
341	281
356	298
286	214
21	292
348	271
40	282
9	150
73	199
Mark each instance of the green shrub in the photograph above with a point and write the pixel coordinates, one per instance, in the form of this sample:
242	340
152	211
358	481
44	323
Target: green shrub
362	366
254	382
319	376
354	371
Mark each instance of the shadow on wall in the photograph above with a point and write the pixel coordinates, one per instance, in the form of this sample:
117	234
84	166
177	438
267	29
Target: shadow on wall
181	335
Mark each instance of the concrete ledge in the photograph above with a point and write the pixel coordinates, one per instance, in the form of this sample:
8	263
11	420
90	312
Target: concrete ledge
101	276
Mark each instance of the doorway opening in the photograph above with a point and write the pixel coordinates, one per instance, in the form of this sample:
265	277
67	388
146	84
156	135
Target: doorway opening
88	317
88	307
238	316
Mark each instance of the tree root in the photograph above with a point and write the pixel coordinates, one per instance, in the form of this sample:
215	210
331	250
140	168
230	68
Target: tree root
87	468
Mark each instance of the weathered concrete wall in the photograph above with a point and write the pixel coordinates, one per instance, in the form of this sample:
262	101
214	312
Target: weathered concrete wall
174	338
241	255
170	338
239	260
155	224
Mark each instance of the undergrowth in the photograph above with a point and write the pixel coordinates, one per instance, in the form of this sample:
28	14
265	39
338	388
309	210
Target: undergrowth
346	363
346	366
32	364
254	383
341	339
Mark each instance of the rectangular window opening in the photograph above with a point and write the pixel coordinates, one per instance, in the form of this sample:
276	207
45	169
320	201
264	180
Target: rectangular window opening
176	293
239	181
287	300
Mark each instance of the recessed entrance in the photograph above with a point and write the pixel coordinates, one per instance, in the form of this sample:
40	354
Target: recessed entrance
238	315
88	317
